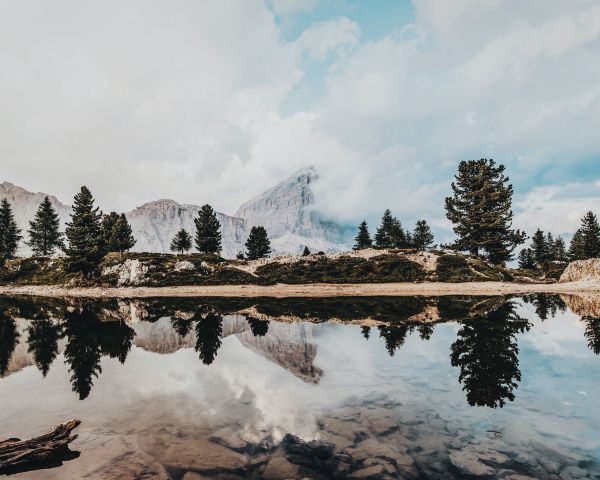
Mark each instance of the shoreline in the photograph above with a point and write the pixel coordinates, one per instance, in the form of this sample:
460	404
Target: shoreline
309	290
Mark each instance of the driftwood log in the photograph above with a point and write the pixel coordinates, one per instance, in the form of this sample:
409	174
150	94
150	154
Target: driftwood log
40	452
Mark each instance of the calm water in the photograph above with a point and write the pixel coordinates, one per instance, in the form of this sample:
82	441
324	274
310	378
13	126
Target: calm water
368	387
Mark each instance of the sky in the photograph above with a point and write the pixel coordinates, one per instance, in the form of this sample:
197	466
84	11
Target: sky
215	101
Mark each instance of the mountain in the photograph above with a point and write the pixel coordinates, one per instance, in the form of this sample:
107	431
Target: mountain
287	211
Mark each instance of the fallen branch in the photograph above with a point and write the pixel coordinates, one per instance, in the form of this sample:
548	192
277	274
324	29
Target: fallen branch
40	452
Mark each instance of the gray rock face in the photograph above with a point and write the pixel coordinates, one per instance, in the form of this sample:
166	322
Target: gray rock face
287	211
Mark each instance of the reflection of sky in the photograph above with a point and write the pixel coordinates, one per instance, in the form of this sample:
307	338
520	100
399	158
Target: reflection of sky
555	401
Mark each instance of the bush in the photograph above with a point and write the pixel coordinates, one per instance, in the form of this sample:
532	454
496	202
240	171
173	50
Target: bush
453	269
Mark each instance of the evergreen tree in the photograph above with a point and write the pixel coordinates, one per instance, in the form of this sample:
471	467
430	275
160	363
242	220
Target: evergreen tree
526	259
576	250
121	236
422	237
108	223
550	242
540	247
208	235
258	244
590	231
363	239
306	251
9	233
44	234
398	235
84	234
559	251
182	242
383	236
480	209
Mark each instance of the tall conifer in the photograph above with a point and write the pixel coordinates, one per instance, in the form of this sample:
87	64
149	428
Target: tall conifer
363	238
258	244
208	235
85	235
10	234
590	231
44	234
480	209
422	237
182	242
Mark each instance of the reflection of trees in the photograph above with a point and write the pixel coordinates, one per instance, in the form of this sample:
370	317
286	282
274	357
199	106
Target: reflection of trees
43	338
259	327
208	336
8	340
89	339
425	331
592	333
182	326
366	332
486	352
546	305
394	336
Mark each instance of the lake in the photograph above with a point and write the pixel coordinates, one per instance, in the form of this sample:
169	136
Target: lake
411	387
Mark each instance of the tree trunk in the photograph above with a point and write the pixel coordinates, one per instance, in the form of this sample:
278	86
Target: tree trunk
47	450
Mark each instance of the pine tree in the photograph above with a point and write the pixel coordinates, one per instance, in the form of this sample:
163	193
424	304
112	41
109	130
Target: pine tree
108	223
84	234
540	247
576	250
590	231
182	242
559	251
363	238
481	212
384	235
526	259
208	235
422	237
121	239
9	233
44	234
398	235
258	244
306	251
550	242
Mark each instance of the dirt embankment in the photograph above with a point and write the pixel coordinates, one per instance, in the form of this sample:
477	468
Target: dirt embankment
312	290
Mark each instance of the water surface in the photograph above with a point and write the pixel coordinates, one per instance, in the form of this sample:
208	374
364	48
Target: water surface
449	387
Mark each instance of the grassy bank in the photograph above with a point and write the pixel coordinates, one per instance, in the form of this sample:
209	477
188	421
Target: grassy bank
166	270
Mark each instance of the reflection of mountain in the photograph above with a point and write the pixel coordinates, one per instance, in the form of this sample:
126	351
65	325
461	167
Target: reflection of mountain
584	305
286	345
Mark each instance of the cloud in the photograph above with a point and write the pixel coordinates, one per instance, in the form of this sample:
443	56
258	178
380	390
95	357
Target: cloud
146	99
557	208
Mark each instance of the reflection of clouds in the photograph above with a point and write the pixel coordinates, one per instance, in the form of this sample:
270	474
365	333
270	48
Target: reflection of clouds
561	335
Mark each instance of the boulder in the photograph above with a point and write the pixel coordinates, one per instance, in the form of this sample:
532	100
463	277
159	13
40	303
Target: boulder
130	272
183	265
581	270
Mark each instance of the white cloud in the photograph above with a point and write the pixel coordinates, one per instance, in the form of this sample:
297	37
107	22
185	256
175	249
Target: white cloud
144	100
557	208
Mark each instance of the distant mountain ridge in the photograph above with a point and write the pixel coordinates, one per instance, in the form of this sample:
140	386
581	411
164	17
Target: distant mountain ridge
287	211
